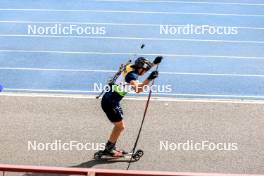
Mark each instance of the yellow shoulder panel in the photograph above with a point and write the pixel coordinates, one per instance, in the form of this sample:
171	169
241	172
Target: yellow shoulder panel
127	70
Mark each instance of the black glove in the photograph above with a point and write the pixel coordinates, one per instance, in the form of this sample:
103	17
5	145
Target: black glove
158	60
153	75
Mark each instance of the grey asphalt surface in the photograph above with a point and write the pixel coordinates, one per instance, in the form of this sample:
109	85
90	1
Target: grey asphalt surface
46	119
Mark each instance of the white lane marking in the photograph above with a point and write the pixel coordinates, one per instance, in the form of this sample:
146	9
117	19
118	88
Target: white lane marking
183	2
143	54
113	71
136	12
119	24
212	74
210	95
57	70
81	94
135	38
50	90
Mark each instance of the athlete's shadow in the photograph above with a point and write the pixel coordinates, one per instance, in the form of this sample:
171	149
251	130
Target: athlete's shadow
92	163
87	164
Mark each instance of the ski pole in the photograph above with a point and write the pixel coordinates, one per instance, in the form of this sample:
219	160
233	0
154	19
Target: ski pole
142	122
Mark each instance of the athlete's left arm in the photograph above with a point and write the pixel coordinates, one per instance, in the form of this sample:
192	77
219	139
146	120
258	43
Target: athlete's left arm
139	86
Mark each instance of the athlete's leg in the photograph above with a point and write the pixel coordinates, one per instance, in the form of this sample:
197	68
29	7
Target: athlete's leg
114	113
116	132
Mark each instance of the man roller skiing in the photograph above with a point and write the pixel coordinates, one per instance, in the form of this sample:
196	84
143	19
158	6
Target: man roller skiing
111	100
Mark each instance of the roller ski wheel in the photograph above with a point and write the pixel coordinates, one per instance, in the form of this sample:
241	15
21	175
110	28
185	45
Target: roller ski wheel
137	155
140	152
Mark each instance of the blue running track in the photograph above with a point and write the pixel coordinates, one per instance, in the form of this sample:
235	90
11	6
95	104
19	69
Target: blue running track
196	66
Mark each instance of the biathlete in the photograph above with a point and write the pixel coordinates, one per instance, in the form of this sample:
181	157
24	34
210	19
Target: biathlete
111	99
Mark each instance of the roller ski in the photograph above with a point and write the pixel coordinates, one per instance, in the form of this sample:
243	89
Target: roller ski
118	154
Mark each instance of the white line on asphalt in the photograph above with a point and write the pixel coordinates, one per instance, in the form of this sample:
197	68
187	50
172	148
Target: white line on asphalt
134	38
143	54
163	94
162	99
136	12
113	71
